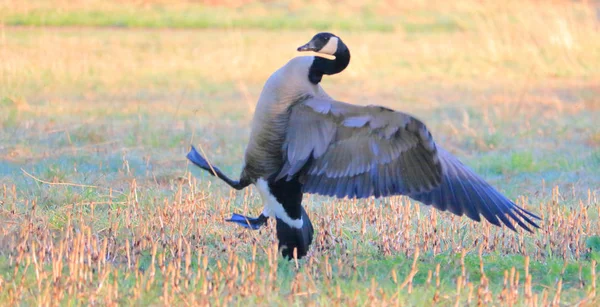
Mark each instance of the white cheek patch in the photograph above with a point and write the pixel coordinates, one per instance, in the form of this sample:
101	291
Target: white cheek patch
272	208
331	46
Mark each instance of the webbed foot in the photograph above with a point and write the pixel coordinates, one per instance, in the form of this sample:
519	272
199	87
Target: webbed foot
253	223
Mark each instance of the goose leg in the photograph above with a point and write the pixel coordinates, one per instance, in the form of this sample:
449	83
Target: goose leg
201	162
253	223
248	222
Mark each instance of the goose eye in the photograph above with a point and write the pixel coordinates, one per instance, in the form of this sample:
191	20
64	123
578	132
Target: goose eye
321	38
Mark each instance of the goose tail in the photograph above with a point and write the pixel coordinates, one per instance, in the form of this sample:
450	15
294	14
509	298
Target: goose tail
298	239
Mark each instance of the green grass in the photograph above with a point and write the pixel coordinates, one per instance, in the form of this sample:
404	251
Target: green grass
201	18
198	16
378	271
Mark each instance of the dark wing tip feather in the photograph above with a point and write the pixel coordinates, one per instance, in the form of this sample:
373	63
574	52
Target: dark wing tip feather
462	191
517	215
522	210
198	159
523	214
508	207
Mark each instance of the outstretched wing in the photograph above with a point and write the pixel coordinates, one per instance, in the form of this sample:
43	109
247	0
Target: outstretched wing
344	150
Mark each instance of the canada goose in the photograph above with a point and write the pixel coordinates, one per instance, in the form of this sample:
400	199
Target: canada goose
303	141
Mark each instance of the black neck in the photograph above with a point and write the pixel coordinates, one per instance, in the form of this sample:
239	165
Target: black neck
322	66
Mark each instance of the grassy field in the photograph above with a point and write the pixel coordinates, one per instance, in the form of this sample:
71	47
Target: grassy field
100	100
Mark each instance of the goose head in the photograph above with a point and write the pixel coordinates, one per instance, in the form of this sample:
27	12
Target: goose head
325	43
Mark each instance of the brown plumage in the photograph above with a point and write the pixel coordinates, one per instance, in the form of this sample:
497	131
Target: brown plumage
287	86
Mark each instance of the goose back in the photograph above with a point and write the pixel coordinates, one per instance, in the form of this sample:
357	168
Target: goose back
285	87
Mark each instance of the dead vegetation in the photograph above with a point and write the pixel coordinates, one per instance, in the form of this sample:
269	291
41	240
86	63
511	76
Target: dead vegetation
178	250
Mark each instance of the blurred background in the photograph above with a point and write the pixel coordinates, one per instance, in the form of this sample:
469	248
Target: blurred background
100	91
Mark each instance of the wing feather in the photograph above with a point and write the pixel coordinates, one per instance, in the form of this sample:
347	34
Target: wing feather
344	150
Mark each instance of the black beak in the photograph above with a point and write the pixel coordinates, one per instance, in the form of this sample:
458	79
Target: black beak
307	47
